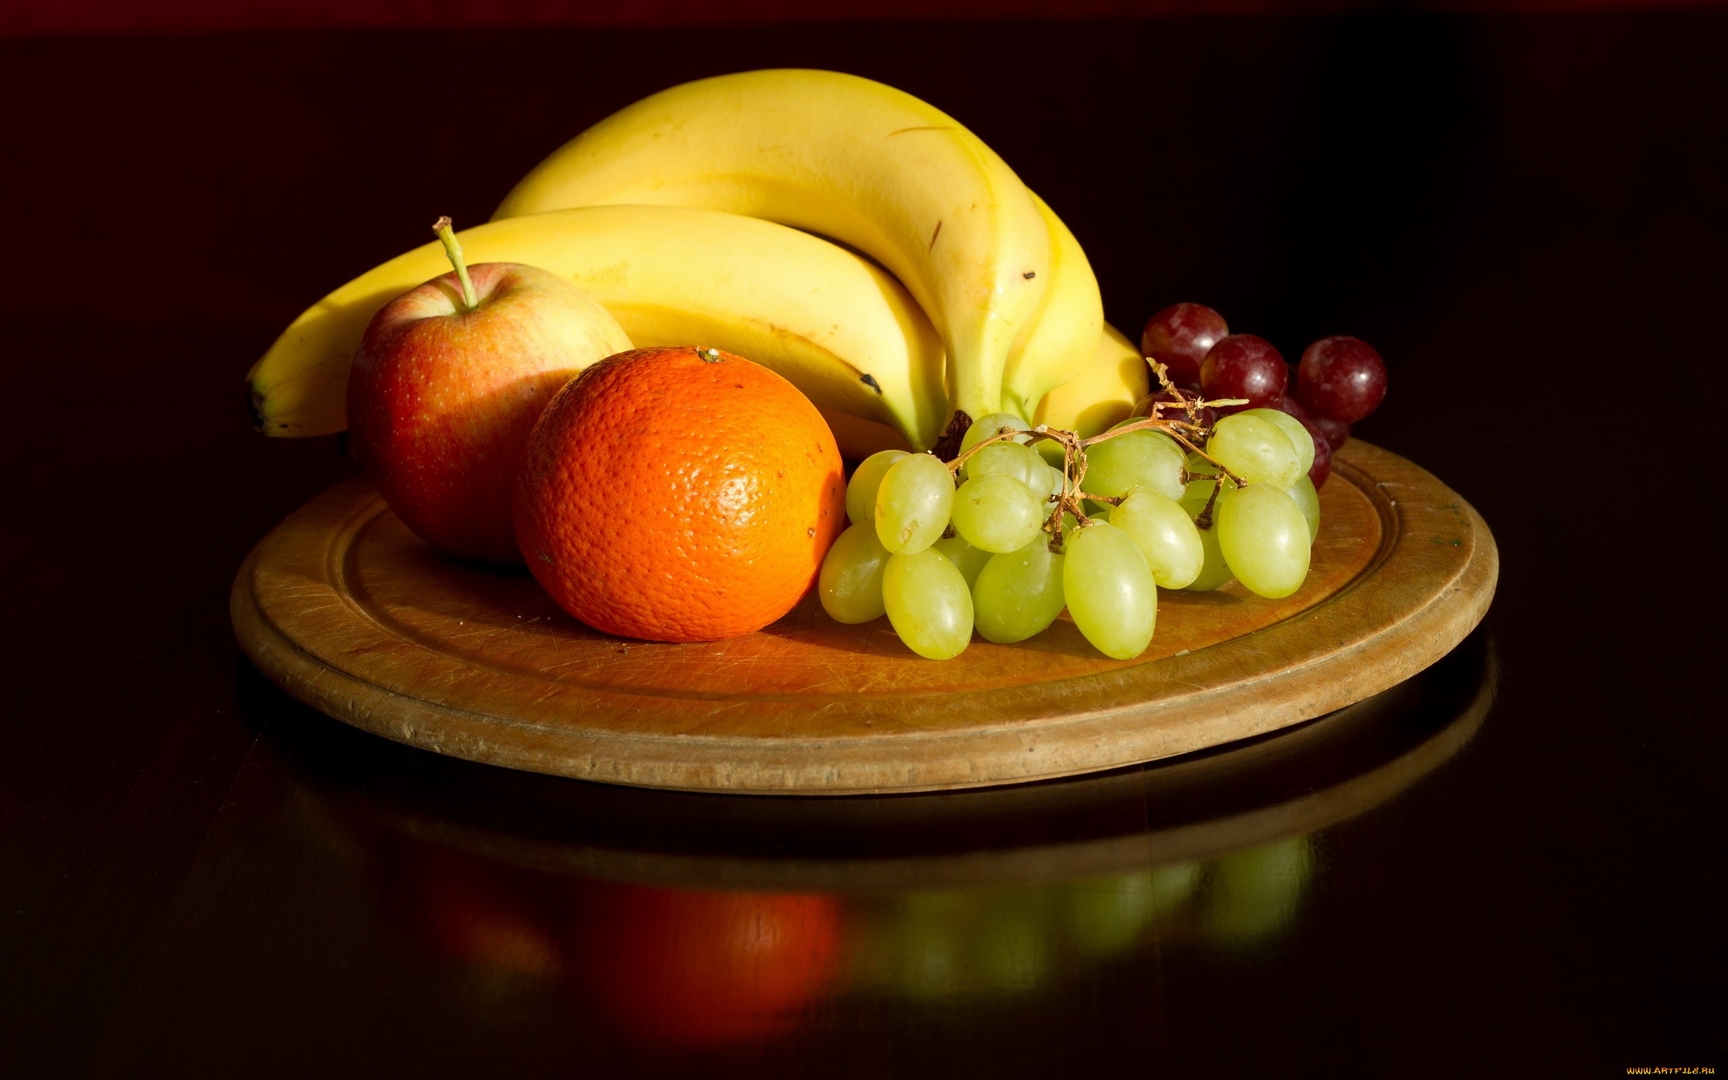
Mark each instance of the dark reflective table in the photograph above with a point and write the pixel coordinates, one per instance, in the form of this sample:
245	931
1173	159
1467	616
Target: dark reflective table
1512	865
473	918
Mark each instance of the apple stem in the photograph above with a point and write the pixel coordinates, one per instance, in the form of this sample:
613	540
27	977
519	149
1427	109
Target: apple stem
453	249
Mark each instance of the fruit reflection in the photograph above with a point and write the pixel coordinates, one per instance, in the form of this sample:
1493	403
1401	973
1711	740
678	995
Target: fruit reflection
903	934
1254	893
468	909
699	967
683	966
708	968
994	942
1109	915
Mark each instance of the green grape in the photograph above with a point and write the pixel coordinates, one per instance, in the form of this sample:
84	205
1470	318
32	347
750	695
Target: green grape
1308	500
1294	431
1007	459
997	513
866	478
1256	450
1019	593
1055	480
1147	459
1214	571
850	583
1261	532
1110	592
986	426
1165	534
969	559
913	503
928	603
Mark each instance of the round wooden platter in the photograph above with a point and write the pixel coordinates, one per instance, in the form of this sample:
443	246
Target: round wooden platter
346	610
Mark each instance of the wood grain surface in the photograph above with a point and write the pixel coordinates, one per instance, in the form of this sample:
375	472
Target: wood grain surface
348	611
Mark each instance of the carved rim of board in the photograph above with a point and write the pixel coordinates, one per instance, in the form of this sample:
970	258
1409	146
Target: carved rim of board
1039	864
1427	585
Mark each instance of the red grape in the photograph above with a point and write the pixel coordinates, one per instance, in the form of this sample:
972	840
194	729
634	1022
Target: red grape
1179	336
1322	467
1244	366
1341	378
1288	404
1320	428
1336	433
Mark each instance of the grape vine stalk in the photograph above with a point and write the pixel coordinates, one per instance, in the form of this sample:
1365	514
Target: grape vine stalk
1189	433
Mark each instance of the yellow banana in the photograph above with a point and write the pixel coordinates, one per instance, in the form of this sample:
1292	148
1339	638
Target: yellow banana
859	438
1060	341
835	325
1101	390
1102	395
841	156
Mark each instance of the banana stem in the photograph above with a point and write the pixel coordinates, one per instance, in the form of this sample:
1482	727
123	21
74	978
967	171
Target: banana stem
453	250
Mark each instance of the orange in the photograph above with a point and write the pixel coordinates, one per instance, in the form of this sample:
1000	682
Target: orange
678	494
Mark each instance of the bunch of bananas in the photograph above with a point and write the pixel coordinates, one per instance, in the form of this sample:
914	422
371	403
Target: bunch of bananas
700	214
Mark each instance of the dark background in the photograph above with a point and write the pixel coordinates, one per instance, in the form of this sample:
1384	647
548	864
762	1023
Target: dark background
1524	213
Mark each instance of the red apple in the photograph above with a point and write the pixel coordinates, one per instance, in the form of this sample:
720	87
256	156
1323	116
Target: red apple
449	379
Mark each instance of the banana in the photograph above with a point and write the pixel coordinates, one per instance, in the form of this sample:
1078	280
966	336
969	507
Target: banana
845	157
832	323
859	438
1102	395
1061	339
1081	371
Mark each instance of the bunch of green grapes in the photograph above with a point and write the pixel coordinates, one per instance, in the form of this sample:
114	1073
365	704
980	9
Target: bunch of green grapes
1260	525
1001	541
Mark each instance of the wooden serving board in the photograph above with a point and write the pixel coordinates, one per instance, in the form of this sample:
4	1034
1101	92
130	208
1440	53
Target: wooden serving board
345	609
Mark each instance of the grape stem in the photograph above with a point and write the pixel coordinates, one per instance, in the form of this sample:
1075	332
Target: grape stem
1000	436
1203	520
1190	433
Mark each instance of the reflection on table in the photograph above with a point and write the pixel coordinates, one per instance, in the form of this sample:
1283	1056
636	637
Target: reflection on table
662	922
